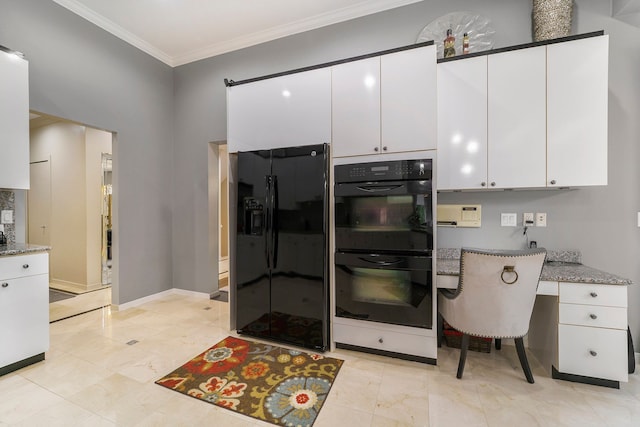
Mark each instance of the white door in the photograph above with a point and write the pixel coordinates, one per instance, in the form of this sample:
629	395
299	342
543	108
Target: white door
355	113
577	92
517	116
39	203
462	124
408	100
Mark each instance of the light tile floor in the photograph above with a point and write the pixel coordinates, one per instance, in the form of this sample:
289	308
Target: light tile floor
91	377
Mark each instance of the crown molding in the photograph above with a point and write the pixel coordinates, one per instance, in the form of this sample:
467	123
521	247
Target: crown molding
312	23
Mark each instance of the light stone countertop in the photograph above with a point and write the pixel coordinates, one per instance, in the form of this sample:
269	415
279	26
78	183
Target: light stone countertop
448	264
21	249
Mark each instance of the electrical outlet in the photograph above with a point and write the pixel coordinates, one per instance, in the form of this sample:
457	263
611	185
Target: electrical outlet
508	219
6	217
541	220
527	219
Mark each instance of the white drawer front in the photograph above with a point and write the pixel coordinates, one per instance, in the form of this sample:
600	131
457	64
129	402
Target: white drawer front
593	352
12	267
586	293
593	315
385	340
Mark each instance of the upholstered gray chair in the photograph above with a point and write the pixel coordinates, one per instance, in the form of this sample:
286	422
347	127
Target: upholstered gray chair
494	298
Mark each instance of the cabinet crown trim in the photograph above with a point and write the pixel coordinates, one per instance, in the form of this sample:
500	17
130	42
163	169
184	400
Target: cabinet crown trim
524	46
230	83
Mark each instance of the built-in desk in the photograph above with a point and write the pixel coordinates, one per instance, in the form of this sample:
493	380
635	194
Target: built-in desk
578	328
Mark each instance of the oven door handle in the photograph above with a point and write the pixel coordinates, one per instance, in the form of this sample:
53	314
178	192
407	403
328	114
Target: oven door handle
375	189
382	263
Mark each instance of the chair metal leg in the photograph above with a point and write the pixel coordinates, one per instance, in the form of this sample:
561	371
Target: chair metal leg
522	355
463	354
440	331
498	343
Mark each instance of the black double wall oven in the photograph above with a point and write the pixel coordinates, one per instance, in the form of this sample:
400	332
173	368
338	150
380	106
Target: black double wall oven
384	242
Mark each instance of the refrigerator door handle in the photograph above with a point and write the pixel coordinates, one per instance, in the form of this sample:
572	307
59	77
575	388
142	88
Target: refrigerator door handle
274	221
267	223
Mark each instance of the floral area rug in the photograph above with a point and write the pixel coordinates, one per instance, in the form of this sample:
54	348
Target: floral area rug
270	383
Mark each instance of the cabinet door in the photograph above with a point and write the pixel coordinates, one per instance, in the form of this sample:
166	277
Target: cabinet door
462	124
285	111
408	100
517	152
577	93
14	121
355	114
24	316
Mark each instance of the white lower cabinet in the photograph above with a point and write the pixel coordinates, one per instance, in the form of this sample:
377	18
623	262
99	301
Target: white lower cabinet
24	308
592	331
593	352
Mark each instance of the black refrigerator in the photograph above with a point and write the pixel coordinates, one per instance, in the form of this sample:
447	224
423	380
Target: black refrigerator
282	288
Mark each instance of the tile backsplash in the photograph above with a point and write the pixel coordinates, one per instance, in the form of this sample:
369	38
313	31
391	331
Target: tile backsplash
8	202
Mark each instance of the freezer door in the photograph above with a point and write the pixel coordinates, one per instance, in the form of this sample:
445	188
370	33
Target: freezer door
253	241
299	288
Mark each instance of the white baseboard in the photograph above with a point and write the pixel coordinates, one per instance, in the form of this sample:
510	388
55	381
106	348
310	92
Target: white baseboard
159	295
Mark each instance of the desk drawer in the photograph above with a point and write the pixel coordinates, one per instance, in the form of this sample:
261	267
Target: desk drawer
593	352
593	294
15	266
593	315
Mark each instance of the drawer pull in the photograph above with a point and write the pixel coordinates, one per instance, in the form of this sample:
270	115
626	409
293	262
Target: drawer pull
593	353
593	316
380	340
593	294
25	266
4	285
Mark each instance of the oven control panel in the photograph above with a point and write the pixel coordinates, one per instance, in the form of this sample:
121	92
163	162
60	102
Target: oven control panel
385	171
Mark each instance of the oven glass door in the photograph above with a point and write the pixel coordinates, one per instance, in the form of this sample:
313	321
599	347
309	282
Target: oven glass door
385	288
393	216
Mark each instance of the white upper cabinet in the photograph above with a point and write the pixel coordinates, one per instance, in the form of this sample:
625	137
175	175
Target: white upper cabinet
355	96
517	118
14	121
385	104
577	92
408	100
525	118
290	110
462	124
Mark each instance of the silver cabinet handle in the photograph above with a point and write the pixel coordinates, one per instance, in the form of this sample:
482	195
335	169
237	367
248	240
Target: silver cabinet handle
552	182
25	266
593	353
5	285
593	316
593	294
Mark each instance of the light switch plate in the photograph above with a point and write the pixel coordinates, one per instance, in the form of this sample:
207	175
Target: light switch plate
6	217
508	219
541	220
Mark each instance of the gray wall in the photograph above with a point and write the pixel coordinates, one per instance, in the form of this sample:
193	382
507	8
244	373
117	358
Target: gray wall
601	222
79	72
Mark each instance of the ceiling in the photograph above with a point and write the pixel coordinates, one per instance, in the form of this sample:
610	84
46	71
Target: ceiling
181	31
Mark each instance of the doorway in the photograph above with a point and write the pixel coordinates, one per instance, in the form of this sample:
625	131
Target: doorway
68	208
223	216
